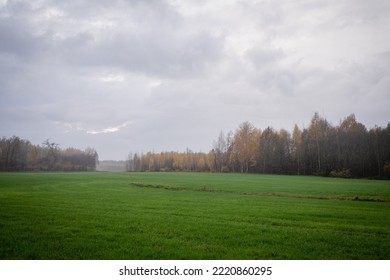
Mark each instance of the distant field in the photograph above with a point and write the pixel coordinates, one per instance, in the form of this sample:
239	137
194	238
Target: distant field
192	216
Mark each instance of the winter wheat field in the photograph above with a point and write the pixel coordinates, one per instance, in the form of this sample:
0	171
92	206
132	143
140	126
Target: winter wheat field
102	215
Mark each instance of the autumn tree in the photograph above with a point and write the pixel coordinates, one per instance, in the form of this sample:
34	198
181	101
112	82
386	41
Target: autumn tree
245	146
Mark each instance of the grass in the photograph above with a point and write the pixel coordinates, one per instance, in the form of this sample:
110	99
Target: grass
191	216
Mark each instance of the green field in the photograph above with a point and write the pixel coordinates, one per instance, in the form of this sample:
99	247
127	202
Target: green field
192	216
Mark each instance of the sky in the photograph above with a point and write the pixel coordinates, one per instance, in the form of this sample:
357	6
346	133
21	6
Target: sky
127	76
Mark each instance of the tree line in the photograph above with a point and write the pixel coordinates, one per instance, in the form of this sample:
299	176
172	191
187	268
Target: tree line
346	150
18	154
168	161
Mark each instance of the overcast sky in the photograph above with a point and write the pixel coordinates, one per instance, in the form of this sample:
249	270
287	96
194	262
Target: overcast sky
134	76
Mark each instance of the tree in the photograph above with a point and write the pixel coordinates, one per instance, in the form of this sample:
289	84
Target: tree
352	140
316	142
297	148
284	150
52	153
245	146
14	154
91	158
268	151
219	154
379	147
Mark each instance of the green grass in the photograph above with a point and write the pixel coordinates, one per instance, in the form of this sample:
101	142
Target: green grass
192	216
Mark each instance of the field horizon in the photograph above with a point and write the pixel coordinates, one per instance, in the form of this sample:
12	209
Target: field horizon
122	215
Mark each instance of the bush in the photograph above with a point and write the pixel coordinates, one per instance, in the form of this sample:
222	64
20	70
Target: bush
386	170
343	173
225	169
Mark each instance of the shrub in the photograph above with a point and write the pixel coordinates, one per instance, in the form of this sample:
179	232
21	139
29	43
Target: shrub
386	170
225	169
343	173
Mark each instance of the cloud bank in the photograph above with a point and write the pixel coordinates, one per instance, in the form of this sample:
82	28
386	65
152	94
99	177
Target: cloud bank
125	76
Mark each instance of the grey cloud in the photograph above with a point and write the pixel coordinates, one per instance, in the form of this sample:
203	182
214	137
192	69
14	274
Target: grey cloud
269	74
142	75
354	12
262	57
161	54
266	14
17	40
147	37
144	9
